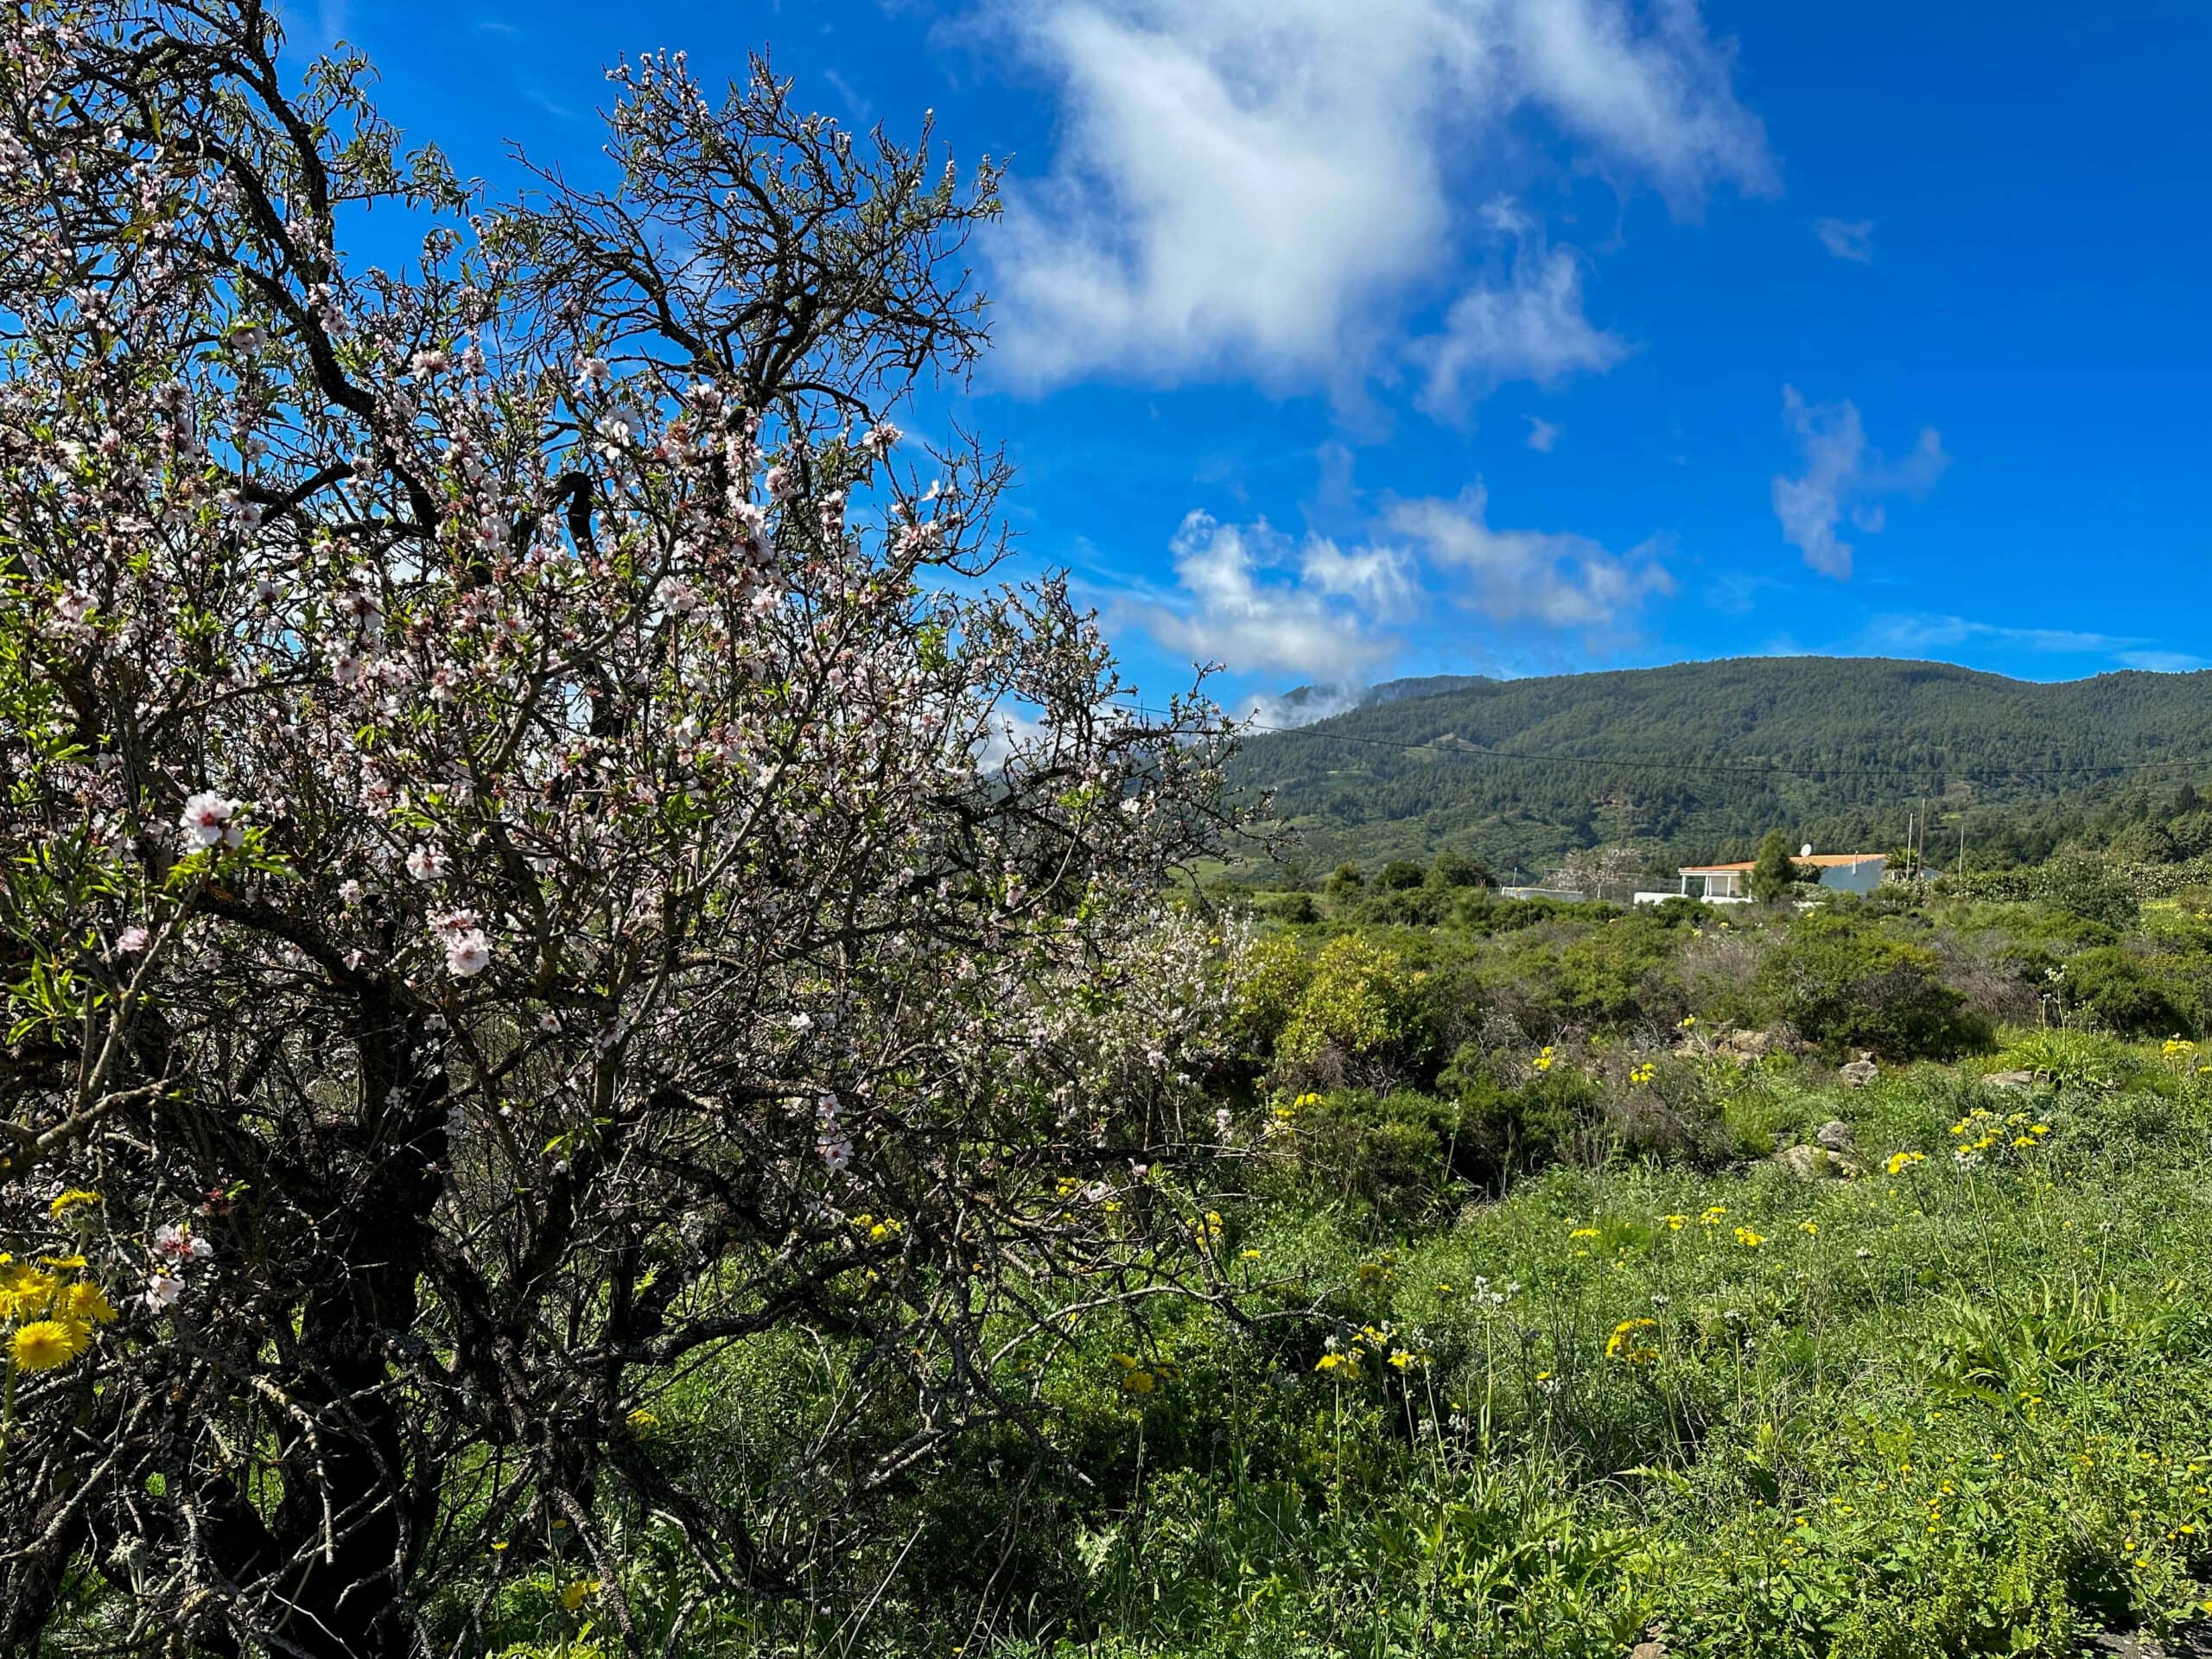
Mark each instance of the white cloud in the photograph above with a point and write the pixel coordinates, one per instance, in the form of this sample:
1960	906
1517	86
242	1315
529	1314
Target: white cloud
1543	437
1378	578
1266	187
1234	606
1557	579
1851	239
1530	327
1844	477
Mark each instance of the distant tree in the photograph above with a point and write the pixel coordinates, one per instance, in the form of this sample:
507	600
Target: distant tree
1345	882
1400	874
1454	869
1773	873
1600	872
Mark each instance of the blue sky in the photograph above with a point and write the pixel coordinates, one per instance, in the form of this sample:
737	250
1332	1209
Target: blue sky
1342	340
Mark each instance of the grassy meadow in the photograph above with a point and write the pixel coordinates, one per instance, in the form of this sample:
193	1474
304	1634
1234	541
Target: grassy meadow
1578	1292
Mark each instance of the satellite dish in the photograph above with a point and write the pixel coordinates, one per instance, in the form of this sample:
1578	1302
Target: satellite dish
1806	851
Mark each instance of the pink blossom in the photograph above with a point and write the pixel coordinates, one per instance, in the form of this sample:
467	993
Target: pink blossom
467	954
74	605
162	1289
427	863
878	438
207	820
133	940
178	1244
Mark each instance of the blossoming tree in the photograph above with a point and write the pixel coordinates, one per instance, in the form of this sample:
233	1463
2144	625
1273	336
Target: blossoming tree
535	852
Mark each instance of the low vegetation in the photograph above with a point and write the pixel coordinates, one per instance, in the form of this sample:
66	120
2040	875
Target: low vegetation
1732	1283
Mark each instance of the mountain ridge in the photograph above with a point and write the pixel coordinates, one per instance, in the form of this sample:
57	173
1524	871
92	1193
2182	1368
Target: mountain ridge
1698	760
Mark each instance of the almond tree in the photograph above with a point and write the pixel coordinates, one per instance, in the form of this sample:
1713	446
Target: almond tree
536	850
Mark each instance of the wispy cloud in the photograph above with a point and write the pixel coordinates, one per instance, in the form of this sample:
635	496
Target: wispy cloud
1844	476
1938	632
1543	437
1556	579
1266	188
1847	239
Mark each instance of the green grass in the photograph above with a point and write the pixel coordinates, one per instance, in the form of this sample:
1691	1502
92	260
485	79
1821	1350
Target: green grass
1965	1407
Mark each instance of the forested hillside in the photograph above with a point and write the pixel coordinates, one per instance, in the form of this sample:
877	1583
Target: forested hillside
1698	760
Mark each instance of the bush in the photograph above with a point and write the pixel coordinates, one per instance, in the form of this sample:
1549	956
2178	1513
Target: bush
1845	986
1387	1151
1356	1018
2126	994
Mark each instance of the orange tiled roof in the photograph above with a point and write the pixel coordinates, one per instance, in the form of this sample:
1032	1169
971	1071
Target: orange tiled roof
1819	861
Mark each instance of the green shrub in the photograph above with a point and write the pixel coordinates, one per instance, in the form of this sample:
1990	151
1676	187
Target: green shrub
1356	1017
2128	994
1845	986
2069	1058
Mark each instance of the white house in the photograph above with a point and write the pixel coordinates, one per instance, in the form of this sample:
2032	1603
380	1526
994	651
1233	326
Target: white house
1731	884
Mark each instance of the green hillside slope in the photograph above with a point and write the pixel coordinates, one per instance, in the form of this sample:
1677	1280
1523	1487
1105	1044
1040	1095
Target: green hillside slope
1699	758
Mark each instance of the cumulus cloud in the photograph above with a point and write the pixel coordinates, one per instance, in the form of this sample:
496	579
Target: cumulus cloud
1248	597
1553	578
1267	186
1851	239
1844	477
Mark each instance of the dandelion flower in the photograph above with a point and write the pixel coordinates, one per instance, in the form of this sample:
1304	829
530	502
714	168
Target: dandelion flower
87	1304
574	1595
44	1344
71	1199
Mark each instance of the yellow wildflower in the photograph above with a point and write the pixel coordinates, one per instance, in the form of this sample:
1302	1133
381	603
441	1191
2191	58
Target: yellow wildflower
87	1304
1748	1239
44	1344
574	1596
1624	1346
70	1200
25	1293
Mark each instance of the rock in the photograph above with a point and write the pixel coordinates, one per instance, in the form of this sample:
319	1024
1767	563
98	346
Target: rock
1818	1164
1836	1136
1859	1073
2010	1080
